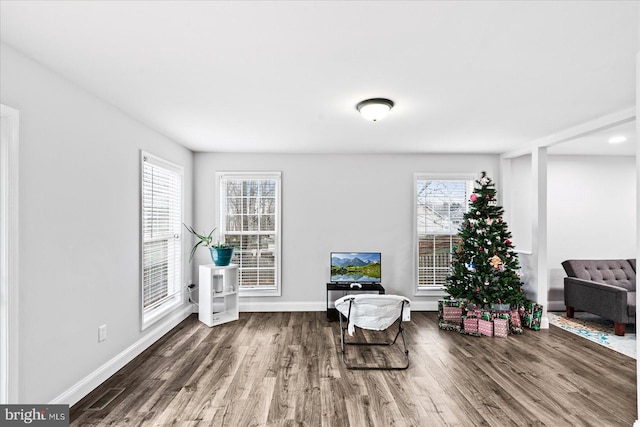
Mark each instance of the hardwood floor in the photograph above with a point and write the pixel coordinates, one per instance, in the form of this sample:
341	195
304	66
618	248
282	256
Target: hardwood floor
284	369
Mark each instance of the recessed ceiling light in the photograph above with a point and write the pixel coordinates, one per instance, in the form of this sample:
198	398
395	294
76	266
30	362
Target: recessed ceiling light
617	139
374	109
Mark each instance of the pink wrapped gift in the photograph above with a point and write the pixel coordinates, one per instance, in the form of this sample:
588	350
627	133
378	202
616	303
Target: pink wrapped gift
470	324
452	314
485	327
515	318
515	323
500	327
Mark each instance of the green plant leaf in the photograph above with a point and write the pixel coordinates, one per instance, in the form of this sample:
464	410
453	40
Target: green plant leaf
193	250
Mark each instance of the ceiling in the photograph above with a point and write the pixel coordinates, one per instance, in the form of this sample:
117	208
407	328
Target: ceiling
597	143
285	76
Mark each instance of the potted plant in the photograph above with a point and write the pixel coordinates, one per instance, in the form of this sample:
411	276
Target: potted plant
221	253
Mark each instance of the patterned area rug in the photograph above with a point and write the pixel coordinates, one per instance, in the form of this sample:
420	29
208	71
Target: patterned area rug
598	330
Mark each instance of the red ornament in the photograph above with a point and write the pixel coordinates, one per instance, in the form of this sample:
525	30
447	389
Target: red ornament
507	242
480	249
473	197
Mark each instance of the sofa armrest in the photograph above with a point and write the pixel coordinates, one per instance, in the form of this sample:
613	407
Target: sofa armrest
608	301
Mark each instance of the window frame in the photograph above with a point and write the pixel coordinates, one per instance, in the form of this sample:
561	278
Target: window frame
151	315
429	176
221	176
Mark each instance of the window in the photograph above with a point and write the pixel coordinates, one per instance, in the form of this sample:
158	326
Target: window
250	221
441	203
161	220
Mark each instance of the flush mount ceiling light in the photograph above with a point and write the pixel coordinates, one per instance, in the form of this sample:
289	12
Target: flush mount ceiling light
617	139
374	109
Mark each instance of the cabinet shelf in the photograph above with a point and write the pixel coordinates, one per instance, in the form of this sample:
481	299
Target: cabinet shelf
218	294
222	294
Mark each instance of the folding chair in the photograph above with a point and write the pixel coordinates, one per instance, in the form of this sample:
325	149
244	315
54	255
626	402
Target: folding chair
376	313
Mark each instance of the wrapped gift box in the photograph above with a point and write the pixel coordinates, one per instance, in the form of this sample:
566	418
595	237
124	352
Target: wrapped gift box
532	316
485	327
501	327
515	323
449	326
452	314
470	326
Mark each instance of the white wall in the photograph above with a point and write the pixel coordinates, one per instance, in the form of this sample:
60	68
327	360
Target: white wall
334	203
519	203
79	226
591	213
519	214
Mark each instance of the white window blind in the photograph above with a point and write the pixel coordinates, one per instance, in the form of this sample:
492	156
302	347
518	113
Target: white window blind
250	221
440	208
161	234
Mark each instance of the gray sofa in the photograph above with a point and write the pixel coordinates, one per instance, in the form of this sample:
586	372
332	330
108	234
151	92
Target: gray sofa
603	287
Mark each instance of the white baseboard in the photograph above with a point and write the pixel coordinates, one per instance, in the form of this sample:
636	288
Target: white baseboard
90	382
265	306
544	322
424	305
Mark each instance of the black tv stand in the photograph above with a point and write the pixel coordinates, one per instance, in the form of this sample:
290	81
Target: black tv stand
332	313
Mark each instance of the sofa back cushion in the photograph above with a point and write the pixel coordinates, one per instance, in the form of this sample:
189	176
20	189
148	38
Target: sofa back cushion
616	272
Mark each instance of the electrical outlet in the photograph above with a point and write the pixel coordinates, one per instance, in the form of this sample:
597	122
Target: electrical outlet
102	333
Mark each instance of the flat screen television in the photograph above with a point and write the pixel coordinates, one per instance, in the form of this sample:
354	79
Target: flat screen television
356	267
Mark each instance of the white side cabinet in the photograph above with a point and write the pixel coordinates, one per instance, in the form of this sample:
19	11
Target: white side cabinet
218	294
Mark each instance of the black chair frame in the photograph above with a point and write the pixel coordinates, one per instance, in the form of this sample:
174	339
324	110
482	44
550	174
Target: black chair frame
344	343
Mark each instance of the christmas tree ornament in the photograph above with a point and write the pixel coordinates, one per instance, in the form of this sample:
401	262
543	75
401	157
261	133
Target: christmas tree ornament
473	197
495	261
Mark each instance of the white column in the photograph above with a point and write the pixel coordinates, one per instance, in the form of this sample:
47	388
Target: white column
9	300
637	423
539	225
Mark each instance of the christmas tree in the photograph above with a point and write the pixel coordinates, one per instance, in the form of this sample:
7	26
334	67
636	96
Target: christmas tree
485	266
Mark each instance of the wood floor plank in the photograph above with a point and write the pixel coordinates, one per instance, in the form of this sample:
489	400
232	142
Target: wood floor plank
285	369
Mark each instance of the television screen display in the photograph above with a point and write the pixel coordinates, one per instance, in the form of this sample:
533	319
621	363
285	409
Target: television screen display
350	267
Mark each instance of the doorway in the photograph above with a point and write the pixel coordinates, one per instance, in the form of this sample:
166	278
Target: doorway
8	255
